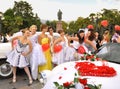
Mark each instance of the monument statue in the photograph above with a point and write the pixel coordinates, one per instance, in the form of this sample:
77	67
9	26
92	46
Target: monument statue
59	22
59	15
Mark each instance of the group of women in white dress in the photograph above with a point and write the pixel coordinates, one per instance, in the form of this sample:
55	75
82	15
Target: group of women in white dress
44	51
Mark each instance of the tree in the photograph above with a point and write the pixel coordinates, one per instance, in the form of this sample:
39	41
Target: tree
20	16
24	10
48	22
53	24
113	17
11	23
71	27
36	20
81	22
92	15
64	26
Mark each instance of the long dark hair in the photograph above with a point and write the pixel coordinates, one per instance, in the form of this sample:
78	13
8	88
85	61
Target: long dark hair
81	40
50	27
92	35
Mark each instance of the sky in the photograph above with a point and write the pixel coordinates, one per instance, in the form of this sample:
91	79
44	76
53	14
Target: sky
71	9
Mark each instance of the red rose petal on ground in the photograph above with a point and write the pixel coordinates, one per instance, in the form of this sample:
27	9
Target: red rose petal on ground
65	68
60	77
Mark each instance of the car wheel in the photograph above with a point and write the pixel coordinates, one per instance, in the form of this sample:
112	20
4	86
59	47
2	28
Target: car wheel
5	70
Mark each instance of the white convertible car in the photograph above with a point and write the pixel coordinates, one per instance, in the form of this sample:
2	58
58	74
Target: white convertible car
5	48
5	68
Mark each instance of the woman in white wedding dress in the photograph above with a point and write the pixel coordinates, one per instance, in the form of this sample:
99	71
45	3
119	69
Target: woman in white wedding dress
59	57
36	57
72	50
18	56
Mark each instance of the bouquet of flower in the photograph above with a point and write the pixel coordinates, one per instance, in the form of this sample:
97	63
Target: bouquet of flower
66	85
77	83
85	84
90	57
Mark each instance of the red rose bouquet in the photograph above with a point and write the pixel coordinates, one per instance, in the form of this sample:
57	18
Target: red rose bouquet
90	57
72	84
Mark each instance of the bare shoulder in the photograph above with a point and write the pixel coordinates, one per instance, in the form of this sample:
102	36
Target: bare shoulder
39	35
17	37
59	39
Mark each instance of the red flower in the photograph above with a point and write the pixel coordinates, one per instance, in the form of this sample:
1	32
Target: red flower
117	27
83	81
104	23
81	50
86	88
92	56
65	68
87	57
60	77
90	26
97	59
67	84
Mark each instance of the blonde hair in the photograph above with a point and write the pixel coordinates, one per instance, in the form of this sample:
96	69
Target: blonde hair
32	26
107	36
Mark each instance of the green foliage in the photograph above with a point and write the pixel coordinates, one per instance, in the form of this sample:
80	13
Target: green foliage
76	79
81	22
48	22
71	27
53	24
20	16
64	26
56	84
22	8
94	86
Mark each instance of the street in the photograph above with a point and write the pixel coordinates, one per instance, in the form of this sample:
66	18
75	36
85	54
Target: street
21	83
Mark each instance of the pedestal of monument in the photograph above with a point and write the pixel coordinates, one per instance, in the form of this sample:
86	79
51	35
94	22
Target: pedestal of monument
59	26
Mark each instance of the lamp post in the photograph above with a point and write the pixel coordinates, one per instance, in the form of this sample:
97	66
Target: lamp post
1	16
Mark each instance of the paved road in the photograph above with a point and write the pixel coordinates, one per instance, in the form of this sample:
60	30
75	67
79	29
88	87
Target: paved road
22	82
